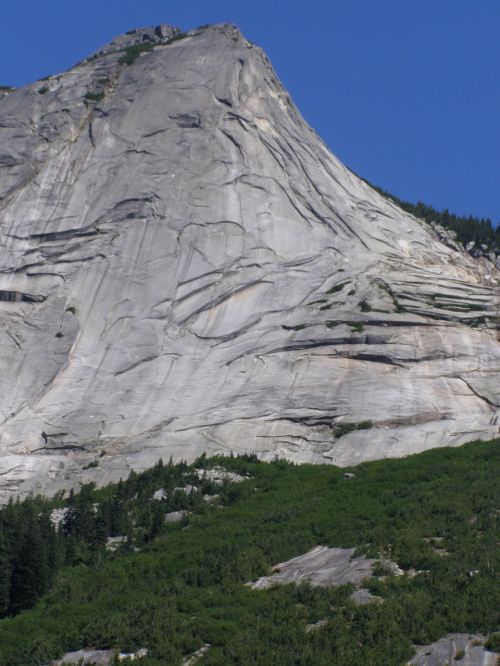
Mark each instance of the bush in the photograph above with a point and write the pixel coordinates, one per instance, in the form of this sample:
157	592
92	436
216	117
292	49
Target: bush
94	96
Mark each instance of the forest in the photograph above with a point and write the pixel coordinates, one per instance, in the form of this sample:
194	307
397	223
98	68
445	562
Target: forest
468	228
175	587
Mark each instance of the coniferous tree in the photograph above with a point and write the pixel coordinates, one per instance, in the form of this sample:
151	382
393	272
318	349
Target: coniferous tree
4	575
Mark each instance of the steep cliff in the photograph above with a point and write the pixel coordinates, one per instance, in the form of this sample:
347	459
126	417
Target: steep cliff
185	267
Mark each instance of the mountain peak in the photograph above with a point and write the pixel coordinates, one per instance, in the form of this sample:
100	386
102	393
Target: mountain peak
185	267
152	34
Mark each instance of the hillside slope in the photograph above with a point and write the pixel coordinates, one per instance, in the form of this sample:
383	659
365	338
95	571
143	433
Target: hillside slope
185	267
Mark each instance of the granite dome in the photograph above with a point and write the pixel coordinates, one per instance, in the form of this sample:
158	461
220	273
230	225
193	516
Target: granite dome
185	267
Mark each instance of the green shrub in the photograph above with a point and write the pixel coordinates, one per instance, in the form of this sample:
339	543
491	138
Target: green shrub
493	642
336	288
343	428
94	96
43	90
131	53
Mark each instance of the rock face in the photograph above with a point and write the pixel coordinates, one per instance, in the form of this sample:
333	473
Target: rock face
321	566
185	267
460	649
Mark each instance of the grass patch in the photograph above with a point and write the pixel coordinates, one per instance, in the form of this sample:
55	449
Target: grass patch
356	326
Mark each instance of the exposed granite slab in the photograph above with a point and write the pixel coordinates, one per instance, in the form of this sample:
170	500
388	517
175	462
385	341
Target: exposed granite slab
321	566
459	649
185	267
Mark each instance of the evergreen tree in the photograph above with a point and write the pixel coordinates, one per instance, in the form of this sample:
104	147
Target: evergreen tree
4	575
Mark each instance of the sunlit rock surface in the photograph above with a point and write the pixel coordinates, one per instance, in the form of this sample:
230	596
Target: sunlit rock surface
321	566
185	267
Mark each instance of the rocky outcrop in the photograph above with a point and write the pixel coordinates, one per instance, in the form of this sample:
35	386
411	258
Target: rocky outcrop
459	649
321	566
185	267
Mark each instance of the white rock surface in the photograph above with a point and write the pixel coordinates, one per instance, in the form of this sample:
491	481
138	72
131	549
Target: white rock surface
185	267
58	516
98	657
113	543
218	475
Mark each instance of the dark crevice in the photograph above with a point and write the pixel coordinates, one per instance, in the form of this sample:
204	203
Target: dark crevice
65	447
20	297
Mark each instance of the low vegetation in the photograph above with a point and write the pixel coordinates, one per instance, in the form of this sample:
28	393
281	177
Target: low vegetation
176	587
131	53
343	428
94	96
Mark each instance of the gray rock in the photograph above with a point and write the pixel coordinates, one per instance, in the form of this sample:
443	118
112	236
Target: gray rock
176	516
58	516
113	543
459	649
321	566
98	657
182	268
196	656
315	626
364	596
187	489
93	657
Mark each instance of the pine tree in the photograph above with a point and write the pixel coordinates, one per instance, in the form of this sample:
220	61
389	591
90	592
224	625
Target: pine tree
30	576
4	575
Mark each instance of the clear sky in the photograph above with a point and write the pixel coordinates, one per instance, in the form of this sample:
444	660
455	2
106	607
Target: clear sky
405	92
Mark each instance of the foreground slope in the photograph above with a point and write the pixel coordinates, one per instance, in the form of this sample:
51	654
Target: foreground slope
175	592
185	267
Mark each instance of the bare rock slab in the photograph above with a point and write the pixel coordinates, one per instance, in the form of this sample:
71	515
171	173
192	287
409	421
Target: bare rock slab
321	566
459	649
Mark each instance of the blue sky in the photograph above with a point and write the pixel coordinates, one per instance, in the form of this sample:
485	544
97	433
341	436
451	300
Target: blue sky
405	93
